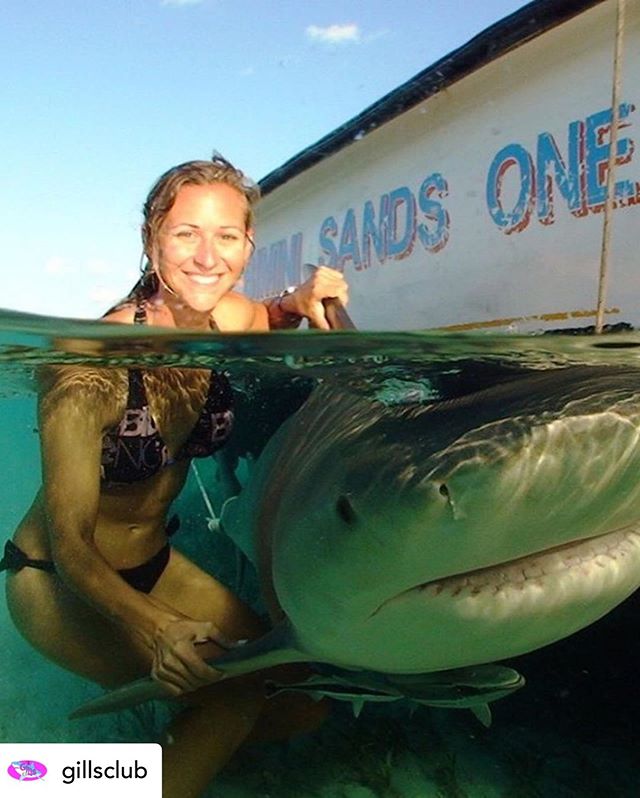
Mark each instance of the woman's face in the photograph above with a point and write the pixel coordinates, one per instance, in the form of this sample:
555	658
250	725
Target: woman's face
203	244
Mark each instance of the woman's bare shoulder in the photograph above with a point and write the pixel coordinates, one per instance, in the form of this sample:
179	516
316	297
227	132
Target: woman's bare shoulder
238	313
121	315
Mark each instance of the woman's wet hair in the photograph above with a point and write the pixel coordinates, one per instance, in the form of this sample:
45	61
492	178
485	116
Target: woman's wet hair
161	198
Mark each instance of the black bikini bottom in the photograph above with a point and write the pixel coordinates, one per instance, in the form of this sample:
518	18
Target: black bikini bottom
142	577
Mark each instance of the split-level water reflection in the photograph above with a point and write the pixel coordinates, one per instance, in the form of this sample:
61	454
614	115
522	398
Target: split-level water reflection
539	436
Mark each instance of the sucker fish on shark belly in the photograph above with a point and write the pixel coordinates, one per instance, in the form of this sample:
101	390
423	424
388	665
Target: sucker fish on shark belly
413	539
466	688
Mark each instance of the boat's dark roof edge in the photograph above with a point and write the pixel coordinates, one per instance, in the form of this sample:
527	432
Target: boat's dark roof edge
528	22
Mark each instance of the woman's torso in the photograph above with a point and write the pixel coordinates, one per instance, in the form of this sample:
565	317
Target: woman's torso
131	518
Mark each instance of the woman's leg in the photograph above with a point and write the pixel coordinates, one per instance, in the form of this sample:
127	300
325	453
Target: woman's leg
217	719
69	632
221	717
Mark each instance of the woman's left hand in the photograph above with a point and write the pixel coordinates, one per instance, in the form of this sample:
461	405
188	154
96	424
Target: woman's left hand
177	663
306	300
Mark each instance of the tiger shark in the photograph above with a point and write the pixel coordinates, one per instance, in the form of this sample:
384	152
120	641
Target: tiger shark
421	543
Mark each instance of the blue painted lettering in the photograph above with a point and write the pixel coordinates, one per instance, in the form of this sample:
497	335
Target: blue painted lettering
328	232
375	234
516	219
568	178
597	149
393	233
349	249
273	268
434	238
402	226
581	180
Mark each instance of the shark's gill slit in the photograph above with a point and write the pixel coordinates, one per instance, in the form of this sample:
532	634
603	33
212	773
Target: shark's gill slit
345	510
443	490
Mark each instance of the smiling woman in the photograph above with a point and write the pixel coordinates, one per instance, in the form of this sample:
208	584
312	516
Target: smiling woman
94	583
198	239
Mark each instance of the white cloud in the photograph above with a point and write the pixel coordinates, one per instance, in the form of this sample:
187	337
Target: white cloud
57	265
334	34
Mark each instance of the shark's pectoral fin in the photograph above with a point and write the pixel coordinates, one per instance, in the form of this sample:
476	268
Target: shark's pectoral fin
130	695
275	648
483	713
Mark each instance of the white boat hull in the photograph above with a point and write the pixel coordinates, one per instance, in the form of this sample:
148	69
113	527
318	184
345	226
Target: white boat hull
482	205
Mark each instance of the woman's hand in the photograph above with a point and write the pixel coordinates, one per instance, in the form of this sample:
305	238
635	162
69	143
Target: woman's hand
306	300
178	651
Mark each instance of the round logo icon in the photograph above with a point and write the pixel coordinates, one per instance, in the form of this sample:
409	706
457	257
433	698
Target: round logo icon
27	770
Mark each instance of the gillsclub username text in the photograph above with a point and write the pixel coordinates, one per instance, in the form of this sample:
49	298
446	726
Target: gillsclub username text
85	769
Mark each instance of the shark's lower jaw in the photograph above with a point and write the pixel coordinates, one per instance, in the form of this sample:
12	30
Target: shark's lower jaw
498	612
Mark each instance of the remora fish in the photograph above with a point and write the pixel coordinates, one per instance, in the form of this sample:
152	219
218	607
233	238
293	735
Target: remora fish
414	539
464	688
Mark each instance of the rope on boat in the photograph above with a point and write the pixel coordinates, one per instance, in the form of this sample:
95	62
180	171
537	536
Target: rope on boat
213	520
605	255
214	525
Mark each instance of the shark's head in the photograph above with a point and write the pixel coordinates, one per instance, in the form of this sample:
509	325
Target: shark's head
416	539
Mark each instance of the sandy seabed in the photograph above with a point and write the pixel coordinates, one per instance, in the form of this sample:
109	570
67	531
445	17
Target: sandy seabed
570	733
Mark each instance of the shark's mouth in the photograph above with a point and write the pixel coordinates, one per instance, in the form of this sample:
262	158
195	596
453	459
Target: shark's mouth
605	561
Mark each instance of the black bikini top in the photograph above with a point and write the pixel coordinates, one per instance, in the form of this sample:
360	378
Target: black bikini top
134	449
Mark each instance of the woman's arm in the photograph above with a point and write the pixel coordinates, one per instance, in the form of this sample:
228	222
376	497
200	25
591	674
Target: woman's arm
236	312
305	301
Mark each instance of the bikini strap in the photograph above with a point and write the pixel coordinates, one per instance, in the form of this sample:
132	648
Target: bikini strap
140	313
137	391
15	560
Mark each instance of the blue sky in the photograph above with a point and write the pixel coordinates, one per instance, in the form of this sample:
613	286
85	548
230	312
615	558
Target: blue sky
100	96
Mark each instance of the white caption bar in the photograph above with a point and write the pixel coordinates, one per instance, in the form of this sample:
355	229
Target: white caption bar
58	770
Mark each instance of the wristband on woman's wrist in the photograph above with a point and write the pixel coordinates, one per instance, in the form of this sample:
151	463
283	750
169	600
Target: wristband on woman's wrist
282	319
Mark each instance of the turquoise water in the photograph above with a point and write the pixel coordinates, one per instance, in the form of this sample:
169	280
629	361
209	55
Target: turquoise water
572	731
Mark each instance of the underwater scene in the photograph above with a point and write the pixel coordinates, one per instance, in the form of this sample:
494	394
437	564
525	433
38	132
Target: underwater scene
456	550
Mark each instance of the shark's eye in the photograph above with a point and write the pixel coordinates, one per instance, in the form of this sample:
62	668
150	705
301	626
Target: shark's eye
345	510
444	490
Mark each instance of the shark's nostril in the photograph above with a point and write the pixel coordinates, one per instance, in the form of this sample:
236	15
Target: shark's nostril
443	490
345	510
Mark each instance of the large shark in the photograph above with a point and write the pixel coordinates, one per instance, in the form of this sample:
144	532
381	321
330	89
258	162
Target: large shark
438	538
